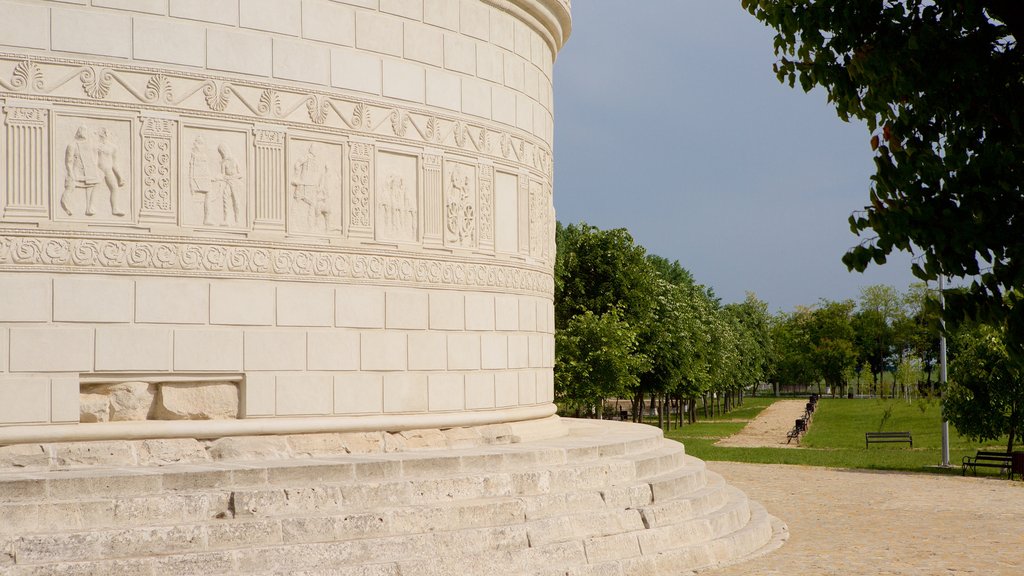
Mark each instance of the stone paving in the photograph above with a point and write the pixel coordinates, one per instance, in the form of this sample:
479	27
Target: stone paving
866	522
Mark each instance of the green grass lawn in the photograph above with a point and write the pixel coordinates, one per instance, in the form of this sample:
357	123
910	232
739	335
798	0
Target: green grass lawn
836	437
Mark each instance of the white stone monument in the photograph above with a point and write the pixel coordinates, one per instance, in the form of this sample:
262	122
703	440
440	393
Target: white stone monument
309	215
258	257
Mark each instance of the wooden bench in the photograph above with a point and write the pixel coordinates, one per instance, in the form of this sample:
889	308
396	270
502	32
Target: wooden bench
1000	460
872	437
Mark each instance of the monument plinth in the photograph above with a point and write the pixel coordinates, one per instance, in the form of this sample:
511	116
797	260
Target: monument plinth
331	215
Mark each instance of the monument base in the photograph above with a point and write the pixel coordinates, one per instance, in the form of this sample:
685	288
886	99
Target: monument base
556	496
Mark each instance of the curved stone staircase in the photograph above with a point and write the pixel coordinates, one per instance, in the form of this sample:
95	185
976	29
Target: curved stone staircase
606	499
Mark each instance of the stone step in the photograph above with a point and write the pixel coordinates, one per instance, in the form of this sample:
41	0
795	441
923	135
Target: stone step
697	503
312	514
689	477
586	504
726	549
195	493
95	482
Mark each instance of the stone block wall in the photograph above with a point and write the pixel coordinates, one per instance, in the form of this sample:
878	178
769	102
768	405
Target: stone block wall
343	207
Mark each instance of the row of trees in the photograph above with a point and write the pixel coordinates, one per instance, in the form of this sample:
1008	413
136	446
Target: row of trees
633	325
860	342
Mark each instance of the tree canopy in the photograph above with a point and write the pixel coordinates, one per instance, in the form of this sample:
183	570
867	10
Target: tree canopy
940	85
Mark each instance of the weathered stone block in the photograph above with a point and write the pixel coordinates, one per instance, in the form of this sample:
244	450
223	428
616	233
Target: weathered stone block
197	401
249	448
128	400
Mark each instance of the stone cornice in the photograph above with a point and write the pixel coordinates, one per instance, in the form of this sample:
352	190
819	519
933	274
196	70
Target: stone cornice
551	18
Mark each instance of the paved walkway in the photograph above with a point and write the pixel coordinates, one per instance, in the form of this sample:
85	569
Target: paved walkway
769	428
853	522
858	522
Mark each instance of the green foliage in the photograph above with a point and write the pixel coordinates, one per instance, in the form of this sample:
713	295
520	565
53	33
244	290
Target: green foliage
940	85
836	438
629	324
985	394
597	359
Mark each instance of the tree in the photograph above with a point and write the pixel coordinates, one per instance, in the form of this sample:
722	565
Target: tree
597	359
940	85
605	304
600	270
984	398
793	364
831	336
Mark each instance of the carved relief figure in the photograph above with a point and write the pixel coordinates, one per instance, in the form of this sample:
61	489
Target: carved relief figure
396	208
199	177
106	160
460	217
86	165
231	182
311	180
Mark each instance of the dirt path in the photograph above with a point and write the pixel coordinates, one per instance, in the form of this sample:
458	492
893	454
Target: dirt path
846	522
769	428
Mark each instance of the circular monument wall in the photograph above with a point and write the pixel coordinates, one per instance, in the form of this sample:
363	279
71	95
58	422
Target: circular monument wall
288	215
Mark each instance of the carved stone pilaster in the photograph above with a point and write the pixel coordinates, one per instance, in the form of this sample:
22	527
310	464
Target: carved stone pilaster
486	190
524	214
270	179
28	161
433	202
158	202
538	220
360	218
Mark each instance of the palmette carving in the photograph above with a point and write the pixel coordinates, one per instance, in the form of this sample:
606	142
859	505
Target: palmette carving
143	86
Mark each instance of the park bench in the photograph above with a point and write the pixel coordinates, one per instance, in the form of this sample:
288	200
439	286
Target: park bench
1000	460
799	428
872	437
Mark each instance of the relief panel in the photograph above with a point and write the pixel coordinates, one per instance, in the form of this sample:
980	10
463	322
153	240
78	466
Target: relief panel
460	205
93	175
314	188
506	212
214	177
397	198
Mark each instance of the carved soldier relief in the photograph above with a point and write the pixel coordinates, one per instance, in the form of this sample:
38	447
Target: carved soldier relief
94	160
397	198
460	213
214	168
314	188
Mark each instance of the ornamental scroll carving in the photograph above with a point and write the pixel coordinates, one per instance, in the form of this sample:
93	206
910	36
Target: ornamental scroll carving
166	256
460	205
157	150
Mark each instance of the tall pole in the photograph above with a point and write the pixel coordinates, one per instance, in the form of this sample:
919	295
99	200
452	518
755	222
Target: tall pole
942	376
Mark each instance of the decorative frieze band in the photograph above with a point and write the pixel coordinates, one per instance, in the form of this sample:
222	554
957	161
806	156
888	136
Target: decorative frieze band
91	83
69	252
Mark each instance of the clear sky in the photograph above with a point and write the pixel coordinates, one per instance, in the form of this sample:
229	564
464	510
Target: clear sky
670	122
